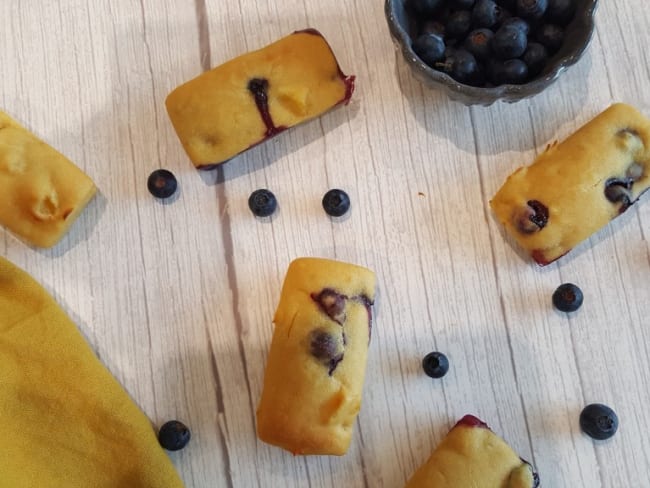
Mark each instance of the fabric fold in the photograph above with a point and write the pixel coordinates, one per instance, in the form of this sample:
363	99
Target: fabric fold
66	421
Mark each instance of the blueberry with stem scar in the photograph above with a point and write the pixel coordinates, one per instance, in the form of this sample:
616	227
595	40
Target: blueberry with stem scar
435	364
598	421
262	203
174	435
478	43
568	297
162	183
336	203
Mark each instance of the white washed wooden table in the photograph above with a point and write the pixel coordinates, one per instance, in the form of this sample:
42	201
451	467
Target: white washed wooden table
177	299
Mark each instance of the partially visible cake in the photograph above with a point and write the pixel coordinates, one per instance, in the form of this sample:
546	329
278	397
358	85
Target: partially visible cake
472	456
41	191
257	95
317	362
576	187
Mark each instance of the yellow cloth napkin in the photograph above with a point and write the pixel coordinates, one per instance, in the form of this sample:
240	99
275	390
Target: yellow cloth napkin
65	422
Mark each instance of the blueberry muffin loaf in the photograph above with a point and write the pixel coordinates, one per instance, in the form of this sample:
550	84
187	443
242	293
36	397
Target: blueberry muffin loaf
255	96
576	187
42	192
316	366
471	455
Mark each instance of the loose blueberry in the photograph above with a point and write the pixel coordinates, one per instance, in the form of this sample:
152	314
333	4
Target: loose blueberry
435	364
478	43
485	13
162	183
461	4
336	203
531	9
567	297
535	58
426	8
461	65
598	421
518	23
551	36
262	203
174	435
459	24
560	11
515	72
509	42
433	27
430	48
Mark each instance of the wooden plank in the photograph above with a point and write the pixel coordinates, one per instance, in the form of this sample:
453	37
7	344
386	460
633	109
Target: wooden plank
177	299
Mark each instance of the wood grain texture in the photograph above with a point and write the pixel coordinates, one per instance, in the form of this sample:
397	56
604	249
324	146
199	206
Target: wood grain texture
177	299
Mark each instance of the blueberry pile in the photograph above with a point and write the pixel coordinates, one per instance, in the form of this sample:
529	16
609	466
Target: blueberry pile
489	42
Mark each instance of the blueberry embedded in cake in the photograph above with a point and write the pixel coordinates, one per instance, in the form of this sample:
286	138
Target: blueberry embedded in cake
471	455
575	188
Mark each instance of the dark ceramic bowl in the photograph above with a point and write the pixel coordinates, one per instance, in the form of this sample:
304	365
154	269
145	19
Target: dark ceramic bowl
578	35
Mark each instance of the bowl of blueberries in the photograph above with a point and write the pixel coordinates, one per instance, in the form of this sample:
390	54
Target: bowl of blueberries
481	51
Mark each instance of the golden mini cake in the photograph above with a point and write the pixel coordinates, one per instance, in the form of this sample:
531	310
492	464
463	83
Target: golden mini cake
576	187
42	191
471	455
316	366
253	97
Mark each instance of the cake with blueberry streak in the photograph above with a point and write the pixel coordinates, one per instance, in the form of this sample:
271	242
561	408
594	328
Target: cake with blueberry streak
471	455
575	188
257	95
316	365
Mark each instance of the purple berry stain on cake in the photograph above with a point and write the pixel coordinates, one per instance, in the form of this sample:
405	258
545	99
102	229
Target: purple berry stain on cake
535	474
367	303
327	348
332	304
472	421
348	81
324	346
259	88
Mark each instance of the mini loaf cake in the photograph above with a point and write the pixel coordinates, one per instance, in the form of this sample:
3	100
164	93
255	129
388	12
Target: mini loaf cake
316	366
576	187
255	96
471	455
42	192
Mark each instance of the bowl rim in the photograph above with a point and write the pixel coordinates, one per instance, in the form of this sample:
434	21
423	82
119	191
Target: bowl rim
506	91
